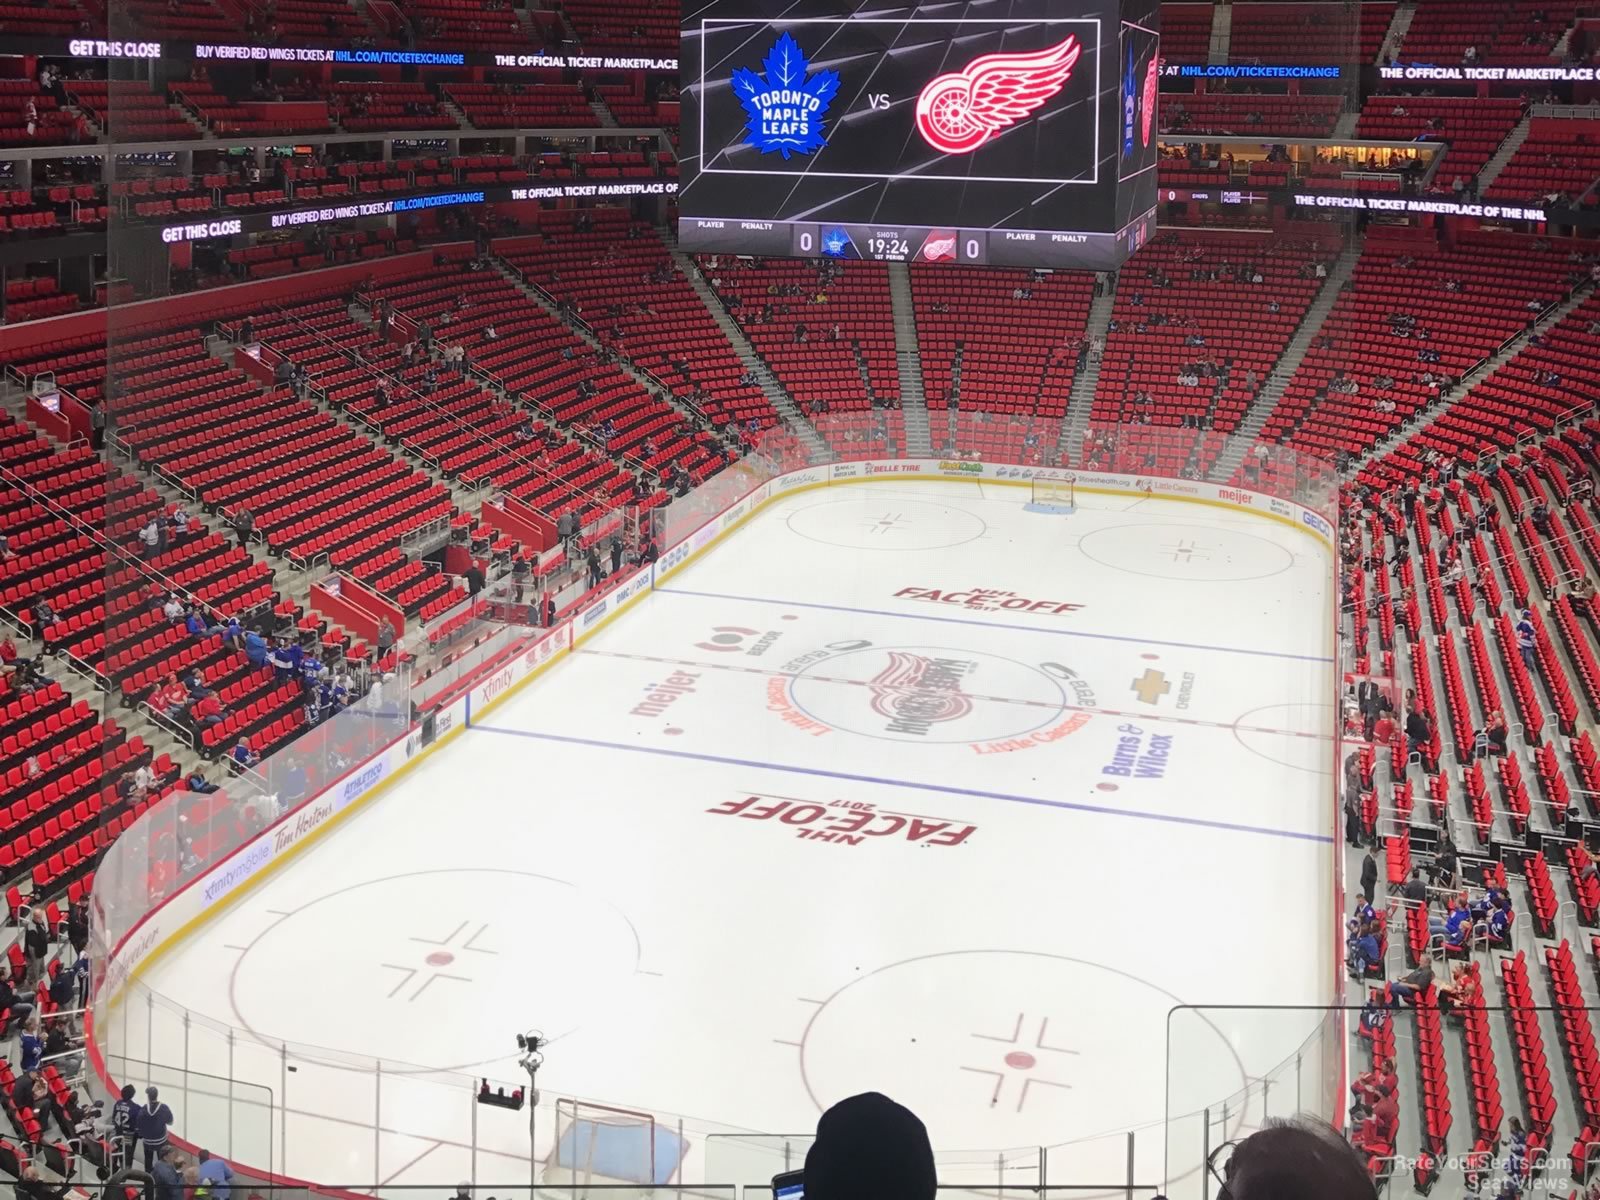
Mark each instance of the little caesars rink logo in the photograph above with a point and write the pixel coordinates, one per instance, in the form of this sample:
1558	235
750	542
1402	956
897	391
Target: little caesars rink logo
930	695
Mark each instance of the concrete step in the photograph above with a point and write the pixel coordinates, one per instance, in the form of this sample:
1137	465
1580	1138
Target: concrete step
908	361
777	395
1399	25
1081	400
1502	156
1272	388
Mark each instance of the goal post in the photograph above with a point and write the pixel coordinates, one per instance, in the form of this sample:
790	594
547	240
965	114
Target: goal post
1054	492
596	1143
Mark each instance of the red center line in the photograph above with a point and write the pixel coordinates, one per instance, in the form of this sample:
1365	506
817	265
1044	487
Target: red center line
1053	706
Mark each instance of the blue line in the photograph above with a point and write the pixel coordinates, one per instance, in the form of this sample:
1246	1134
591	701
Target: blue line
945	789
1078	633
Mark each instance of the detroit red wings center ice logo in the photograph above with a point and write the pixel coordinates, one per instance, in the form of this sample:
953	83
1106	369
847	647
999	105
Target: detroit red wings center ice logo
959	112
917	691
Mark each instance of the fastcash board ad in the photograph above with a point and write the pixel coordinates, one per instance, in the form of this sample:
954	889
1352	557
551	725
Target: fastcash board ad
1023	136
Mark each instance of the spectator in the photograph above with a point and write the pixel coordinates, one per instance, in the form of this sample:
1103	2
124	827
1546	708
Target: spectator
78	925
242	755
124	1125
1525	638
154	1119
474	578
1369	876
870	1148
1457	927
385	638
1493	738
150	534
1415	889
216	1174
1516	1150
1462	989
1419	733
19	1004
37	944
1291	1160
30	1047
173	609
206	712
33	1186
28	1091
255	649
279	660
1411	985
57	1049
1373	1086
169	1184
244	524
1375	1136
198	783
170	698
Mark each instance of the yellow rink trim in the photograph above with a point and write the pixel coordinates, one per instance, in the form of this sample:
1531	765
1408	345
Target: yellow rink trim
311	839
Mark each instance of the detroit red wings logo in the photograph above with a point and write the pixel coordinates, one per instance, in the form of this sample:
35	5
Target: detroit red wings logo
959	112
917	691
1152	79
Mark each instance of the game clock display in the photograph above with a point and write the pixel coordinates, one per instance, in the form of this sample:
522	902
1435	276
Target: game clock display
1022	137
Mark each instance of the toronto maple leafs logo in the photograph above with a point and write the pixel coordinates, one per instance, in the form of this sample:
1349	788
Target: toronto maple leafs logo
786	108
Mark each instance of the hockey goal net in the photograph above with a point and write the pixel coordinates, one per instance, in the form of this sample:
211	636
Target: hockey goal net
1055	491
595	1142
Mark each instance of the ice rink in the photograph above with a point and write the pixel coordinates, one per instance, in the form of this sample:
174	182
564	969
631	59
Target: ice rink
901	787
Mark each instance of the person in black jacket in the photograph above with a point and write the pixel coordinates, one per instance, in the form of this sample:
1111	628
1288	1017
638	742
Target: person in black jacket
1369	876
32	1186
1419	733
124	1125
37	943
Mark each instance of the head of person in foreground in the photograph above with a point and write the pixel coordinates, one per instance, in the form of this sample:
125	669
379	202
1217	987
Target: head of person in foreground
870	1148
1299	1159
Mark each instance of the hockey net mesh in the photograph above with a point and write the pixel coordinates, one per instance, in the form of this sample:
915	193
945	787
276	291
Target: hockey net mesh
610	1145
1057	490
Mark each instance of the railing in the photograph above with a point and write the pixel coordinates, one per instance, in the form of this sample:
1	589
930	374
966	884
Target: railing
290	1111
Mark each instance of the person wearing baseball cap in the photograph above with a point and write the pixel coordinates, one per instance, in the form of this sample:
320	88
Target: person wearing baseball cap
870	1148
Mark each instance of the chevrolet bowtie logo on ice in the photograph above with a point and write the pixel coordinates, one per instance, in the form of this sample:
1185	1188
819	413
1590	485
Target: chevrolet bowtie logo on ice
1151	686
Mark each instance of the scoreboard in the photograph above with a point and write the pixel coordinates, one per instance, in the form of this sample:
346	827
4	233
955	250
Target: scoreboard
1022	137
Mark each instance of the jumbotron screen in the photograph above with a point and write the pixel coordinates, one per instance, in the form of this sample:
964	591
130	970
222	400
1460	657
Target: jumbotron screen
1021	135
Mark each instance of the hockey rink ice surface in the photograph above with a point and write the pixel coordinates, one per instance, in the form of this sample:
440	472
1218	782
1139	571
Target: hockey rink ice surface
900	787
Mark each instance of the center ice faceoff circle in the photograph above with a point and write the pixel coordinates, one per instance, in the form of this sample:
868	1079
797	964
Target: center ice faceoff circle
928	694
1017	1043
1195	553
881	521
432	942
